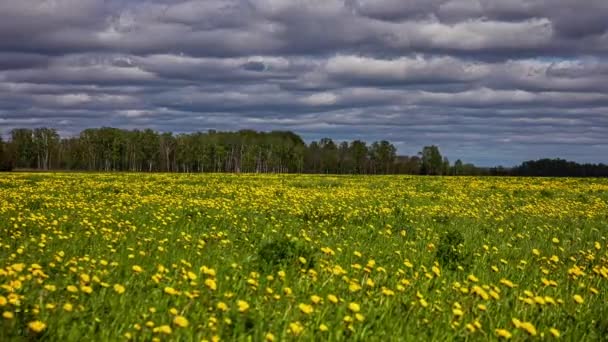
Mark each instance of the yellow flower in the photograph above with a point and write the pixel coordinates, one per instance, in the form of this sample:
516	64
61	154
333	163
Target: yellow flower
8	315
555	332
86	289
119	288
72	288
305	308
36	326
359	317
507	283
85	278
457	312
137	269
323	327
269	337
332	298
180	321
68	307
578	299
163	329
242	305
211	284
503	333
295	328
315	299
171	291
222	306
528	327
473	278
354	307
354	287
3	301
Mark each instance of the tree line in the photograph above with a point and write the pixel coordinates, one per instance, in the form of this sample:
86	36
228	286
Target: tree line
113	149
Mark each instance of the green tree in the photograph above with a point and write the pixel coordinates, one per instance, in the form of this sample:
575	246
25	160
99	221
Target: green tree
432	162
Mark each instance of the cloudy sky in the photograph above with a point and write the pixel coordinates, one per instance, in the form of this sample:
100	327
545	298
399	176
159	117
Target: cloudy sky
489	81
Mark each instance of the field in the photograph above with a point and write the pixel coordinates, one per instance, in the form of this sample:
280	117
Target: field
109	257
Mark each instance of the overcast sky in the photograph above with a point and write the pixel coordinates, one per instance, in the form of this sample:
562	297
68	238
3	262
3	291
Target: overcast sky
489	81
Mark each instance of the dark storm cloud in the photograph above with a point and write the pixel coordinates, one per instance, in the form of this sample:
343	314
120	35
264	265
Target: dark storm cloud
489	81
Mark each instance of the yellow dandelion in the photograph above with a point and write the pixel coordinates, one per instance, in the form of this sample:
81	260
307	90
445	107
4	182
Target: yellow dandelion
222	306
503	333
211	284
180	321
119	288
36	326
354	307
332	298
242	305
305	308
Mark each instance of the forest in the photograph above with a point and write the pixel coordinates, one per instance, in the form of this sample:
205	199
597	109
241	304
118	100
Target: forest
248	151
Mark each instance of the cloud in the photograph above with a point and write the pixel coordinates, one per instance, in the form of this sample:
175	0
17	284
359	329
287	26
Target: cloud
489	81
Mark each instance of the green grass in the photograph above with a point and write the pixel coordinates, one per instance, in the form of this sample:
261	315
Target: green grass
390	244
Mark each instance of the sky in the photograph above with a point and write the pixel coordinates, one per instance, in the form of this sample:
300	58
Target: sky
492	82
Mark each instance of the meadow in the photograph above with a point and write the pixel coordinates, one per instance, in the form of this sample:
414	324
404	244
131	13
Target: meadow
110	257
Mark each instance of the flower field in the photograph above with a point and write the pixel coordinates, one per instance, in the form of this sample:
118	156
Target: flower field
107	257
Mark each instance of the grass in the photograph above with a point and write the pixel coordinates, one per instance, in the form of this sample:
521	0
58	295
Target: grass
109	257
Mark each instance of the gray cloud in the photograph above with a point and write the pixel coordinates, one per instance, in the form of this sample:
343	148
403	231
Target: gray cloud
489	81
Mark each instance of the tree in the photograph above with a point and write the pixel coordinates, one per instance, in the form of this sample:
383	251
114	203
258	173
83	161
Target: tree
383	156
5	156
359	153
458	168
45	141
445	166
23	145
432	162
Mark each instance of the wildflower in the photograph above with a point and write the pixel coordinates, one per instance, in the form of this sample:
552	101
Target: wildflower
163	329
503	333
295	328
211	284
36	326
242	305
269	337
171	291
305	308
323	327
222	306
332	298
8	315
578	299
354	307
137	269
180	321
555	332
119	288
315	299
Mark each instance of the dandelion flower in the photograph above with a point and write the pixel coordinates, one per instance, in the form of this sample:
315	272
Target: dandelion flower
180	321
242	305
36	326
